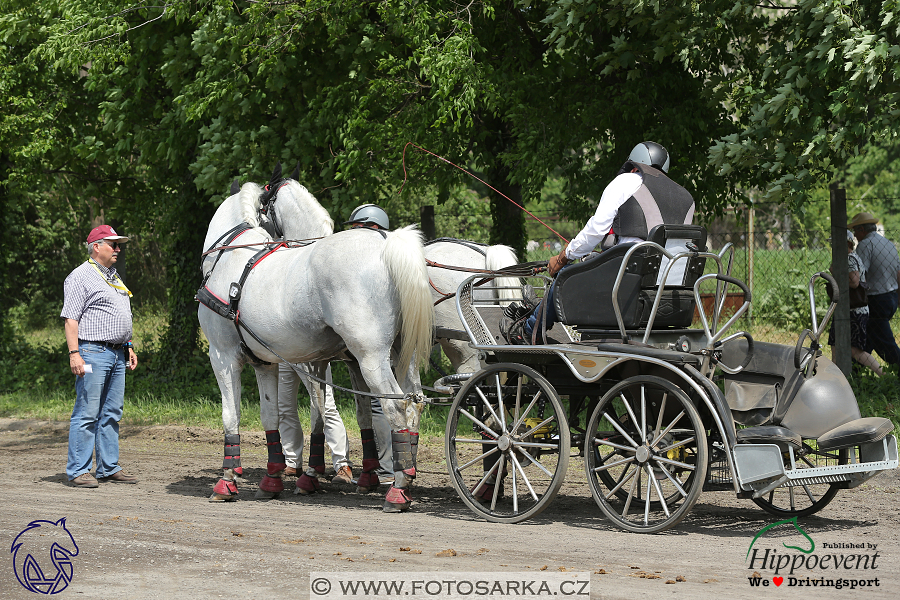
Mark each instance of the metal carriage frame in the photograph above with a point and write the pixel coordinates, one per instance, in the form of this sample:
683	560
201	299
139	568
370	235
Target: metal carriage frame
658	429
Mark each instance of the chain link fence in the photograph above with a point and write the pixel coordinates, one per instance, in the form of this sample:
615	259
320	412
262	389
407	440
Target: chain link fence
778	265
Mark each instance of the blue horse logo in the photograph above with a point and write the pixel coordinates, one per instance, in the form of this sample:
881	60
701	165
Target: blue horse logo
29	550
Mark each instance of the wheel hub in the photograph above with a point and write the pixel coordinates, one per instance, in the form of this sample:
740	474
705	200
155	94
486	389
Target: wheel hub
504	443
642	455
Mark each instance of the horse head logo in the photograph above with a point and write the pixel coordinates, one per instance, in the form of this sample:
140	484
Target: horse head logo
812	544
30	550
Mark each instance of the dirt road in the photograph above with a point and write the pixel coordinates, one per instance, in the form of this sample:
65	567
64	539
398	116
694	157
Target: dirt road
162	539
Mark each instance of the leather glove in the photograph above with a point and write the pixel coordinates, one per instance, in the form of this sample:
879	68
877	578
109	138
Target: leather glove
558	262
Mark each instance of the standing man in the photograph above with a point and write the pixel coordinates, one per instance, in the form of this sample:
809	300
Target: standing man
879	259
372	216
639	198
292	433
97	315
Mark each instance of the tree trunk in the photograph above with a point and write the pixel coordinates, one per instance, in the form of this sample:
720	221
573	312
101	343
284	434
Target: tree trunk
187	227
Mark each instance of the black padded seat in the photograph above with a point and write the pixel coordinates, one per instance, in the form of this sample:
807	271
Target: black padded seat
583	293
770	434
859	431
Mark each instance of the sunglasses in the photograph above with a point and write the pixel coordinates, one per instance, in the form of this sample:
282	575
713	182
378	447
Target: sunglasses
113	245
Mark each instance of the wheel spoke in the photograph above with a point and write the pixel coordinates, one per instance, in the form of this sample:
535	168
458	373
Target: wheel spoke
487	475
543	445
603	442
479	423
487	404
526	411
623	461
674	481
535	428
659	493
647	498
620	430
643	414
518	401
498	481
659	418
477	459
809	493
667	429
471	441
532	460
500	403
631	415
627	475
635	482
675	463
676	445
524	476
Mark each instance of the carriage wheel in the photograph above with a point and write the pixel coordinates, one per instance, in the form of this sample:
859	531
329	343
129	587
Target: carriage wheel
507	443
646	455
803	500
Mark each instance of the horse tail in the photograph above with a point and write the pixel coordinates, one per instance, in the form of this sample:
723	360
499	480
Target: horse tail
404	255
498	257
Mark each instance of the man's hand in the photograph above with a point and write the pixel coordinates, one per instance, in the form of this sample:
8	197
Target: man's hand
558	262
76	364
132	359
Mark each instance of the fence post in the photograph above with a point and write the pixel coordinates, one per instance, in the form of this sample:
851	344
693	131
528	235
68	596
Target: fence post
426	214
841	271
751	246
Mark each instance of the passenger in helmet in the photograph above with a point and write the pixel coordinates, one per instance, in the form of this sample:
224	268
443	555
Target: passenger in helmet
369	215
640	197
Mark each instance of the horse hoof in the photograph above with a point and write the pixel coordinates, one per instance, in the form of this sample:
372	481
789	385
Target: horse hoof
221	498
264	495
307	485
397	500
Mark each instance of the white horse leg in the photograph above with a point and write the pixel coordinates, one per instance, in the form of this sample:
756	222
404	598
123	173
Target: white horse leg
228	375
368	480
267	381
308	482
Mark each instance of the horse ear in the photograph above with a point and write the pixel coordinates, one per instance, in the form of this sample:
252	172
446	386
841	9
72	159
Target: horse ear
235	186
276	174
296	174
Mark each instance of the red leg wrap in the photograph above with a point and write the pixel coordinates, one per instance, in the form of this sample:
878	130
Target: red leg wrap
410	473
307	484
225	488
275	468
486	492
368	480
239	470
271	484
397	500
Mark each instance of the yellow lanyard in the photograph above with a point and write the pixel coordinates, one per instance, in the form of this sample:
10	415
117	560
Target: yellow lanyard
108	282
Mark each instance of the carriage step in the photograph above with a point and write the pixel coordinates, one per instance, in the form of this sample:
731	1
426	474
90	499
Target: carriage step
771	434
859	431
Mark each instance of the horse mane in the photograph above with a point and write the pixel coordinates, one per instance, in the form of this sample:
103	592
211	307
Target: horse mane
248	199
317	221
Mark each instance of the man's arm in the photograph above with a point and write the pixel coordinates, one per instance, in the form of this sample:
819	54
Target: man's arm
76	363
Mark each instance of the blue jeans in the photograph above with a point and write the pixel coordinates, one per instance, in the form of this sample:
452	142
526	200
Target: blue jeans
879	336
99	399
550	318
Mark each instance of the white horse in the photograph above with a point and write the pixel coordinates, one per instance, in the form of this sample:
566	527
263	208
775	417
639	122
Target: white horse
350	296
445	281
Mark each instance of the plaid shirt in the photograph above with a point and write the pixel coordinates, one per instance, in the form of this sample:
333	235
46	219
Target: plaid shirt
879	259
103	312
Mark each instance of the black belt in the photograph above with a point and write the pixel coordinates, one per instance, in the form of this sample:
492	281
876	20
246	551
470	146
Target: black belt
109	345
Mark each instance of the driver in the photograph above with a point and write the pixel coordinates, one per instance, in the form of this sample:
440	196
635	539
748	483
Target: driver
640	197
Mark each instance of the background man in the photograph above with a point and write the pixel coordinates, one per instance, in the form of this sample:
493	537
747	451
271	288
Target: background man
97	314
881	264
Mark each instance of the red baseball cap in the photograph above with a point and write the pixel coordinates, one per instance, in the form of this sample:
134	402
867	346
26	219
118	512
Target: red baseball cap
104	232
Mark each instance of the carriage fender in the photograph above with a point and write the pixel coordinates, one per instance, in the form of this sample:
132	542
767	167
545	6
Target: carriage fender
823	402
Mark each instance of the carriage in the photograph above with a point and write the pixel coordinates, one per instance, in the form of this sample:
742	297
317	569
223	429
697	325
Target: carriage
657	410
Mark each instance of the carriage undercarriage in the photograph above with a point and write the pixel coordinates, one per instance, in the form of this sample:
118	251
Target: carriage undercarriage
655	421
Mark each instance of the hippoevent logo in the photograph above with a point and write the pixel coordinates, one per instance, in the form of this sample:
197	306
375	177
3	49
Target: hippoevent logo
837	564
39	568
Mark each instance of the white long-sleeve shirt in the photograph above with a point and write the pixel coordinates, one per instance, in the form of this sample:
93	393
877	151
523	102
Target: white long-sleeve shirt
616	193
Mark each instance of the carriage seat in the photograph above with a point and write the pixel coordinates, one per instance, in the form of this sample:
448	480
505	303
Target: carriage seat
584	296
854	433
770	434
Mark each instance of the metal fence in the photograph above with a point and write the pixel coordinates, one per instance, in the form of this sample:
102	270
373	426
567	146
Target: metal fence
777	266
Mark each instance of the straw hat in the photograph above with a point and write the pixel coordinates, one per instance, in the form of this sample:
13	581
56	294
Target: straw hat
863	218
